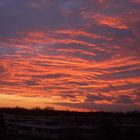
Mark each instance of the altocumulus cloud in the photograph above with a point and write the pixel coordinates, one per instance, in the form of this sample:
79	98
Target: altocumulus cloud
80	54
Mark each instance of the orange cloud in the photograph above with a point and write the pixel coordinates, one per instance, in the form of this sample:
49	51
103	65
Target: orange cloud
80	54
113	22
135	1
71	67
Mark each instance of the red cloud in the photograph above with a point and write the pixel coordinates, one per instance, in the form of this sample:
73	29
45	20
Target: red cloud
89	60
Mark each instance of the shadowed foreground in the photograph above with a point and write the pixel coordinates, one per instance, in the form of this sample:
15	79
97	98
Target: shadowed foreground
37	124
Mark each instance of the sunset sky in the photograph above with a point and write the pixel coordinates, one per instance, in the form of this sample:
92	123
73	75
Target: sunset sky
79	55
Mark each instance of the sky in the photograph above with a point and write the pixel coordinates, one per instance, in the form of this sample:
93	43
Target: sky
79	55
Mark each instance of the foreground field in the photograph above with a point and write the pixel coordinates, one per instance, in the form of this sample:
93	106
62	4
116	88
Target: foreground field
22	124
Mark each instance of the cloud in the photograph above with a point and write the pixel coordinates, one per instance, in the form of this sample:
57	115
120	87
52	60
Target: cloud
135	1
113	22
79	54
124	99
104	106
